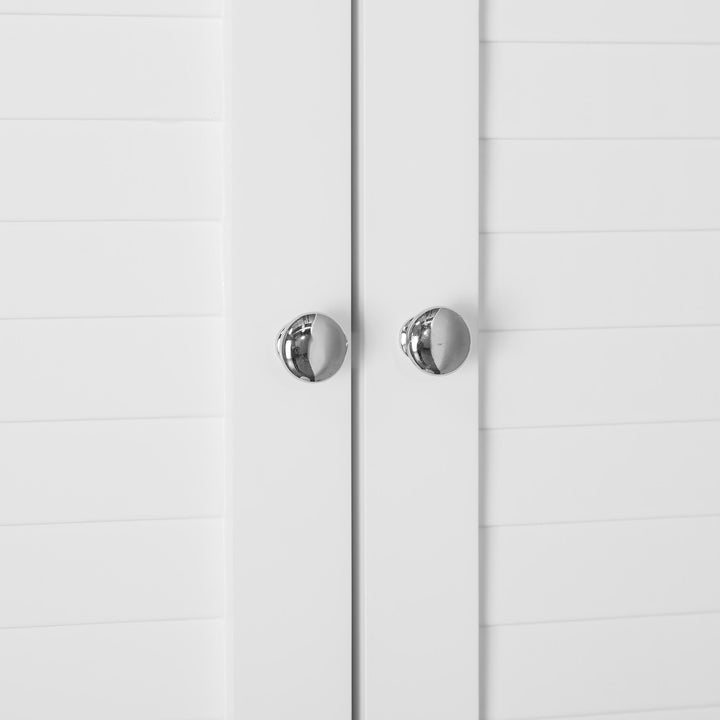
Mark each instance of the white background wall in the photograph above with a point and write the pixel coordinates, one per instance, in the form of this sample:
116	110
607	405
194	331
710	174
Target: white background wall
111	377
602	312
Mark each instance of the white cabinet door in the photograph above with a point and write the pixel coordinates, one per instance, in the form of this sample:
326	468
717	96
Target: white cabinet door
289	237
175	507
417	471
602	441
112	393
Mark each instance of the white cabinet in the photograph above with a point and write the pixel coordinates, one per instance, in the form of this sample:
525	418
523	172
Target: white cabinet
187	531
112	341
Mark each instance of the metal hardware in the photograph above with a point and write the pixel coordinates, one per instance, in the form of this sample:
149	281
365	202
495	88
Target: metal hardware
312	347
437	340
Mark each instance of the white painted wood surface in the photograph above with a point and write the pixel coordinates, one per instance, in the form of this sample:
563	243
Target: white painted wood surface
114	170
666	21
112	367
119	368
111	470
616	472
138	670
622	279
601	458
568	90
603	667
599	258
623	568
290	242
711	713
127	269
418	602
602	185
141	8
105	572
585	377
79	67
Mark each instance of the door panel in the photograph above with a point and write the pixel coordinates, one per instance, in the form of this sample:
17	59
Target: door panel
601	458
112	345
417	443
289	237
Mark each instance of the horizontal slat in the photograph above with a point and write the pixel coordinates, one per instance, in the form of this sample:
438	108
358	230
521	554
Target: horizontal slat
712	713
581	377
185	8
122	368
110	269
615	666
111	470
604	20
602	473
546	573
114	672
573	185
80	67
83	170
109	572
88	269
574	90
585	280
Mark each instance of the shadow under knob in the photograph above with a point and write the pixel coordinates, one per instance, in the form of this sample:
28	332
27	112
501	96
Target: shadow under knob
437	340
312	347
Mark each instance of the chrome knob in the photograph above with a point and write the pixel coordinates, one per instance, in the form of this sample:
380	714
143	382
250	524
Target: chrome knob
437	340
312	347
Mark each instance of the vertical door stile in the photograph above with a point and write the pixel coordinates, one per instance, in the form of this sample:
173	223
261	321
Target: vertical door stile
289	237
417	185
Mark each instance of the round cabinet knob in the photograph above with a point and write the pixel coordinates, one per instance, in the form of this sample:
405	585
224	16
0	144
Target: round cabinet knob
437	340
312	347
